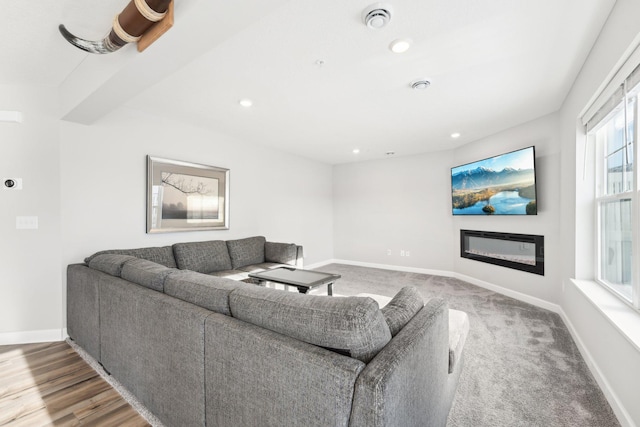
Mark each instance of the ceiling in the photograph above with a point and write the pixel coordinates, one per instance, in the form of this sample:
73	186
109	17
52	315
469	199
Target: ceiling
321	82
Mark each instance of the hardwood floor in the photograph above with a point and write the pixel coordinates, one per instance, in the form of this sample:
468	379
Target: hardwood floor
50	384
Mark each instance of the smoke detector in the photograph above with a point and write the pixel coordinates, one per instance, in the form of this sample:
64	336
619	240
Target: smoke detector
420	84
376	15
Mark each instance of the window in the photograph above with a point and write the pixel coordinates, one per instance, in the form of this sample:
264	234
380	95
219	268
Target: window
617	203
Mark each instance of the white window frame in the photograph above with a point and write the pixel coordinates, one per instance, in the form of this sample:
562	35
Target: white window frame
601	198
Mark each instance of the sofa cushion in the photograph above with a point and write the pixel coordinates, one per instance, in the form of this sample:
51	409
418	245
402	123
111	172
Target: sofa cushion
109	263
161	255
246	251
402	307
146	273
203	290
283	253
203	257
350	325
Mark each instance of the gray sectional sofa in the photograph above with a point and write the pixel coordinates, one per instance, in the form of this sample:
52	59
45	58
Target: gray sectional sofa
200	349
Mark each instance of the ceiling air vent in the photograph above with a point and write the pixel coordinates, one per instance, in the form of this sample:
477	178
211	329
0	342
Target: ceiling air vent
377	15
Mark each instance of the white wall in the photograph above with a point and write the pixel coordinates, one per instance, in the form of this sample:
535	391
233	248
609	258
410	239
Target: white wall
543	134
398	204
283	197
612	355
30	279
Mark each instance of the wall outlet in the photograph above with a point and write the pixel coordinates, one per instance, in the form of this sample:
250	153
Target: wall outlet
402	252
407	253
26	222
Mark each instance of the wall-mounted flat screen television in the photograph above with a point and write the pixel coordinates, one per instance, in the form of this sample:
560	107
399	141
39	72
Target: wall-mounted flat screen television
500	185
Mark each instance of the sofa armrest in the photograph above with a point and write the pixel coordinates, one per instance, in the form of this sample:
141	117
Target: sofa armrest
406	383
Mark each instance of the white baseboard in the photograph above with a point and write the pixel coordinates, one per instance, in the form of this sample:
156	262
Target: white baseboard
621	413
28	337
510	293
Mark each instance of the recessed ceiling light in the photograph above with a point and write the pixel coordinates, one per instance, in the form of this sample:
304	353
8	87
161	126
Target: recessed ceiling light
455	135
400	45
356	150
246	103
420	84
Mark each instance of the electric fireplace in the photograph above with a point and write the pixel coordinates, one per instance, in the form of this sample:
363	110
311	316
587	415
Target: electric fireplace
523	252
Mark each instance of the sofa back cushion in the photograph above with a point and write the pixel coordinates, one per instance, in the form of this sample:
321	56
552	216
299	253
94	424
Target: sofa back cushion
402	307
281	253
209	292
246	251
146	273
109	263
203	257
161	255
350	325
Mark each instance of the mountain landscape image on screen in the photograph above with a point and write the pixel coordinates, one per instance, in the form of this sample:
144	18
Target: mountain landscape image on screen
501	185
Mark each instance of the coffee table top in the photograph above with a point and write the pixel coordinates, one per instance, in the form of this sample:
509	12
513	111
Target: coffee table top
296	277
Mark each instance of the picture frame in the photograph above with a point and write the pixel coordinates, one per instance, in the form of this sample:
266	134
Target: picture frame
184	196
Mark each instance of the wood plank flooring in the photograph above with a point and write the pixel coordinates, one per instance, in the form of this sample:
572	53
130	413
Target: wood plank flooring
50	384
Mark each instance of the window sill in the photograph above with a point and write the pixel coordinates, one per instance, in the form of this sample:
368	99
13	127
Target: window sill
621	315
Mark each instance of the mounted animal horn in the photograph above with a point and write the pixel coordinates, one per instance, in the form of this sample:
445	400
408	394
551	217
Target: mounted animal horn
136	18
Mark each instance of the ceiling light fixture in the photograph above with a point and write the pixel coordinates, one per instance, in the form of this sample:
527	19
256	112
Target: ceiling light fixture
400	45
376	15
356	150
455	135
246	103
420	84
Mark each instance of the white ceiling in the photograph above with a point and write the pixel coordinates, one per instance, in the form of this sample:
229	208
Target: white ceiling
493	65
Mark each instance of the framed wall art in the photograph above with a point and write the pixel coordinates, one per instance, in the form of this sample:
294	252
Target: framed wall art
183	196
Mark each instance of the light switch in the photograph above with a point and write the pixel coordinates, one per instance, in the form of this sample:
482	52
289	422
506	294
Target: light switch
26	222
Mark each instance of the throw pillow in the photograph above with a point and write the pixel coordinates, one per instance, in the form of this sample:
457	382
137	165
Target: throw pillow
402	307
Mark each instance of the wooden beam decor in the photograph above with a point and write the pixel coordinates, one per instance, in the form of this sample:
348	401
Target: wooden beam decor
156	30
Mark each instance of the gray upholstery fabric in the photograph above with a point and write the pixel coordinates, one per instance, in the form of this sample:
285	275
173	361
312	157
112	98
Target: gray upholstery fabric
146	273
416	359
282	253
203	257
458	331
161	255
83	318
154	345
110	263
205	291
350	324
246	251
402	307
270	380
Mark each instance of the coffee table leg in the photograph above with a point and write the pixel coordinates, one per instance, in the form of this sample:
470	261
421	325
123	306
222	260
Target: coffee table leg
330	289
